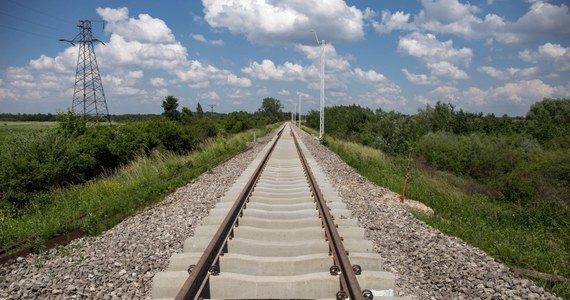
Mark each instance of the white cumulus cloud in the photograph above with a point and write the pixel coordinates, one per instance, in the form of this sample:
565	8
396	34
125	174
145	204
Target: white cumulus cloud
287	21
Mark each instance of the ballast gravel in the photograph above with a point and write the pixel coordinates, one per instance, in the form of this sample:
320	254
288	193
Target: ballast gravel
120	263
427	263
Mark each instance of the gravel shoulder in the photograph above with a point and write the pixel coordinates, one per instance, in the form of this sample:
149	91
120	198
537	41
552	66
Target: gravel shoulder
120	263
428	263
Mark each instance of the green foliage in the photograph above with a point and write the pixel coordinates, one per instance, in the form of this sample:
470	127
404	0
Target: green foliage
238	122
170	105
28	117
105	201
199	110
186	115
38	161
479	156
71	124
549	122
272	109
534	236
513	171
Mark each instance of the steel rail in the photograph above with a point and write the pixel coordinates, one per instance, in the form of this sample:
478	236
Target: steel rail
195	285
348	281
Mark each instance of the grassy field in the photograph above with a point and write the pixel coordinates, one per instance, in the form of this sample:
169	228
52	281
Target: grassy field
490	225
9	128
103	202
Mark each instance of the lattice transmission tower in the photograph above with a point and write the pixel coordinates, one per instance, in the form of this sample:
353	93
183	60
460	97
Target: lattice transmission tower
88	95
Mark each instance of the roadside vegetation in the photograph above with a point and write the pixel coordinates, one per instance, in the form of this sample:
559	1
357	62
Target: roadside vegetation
77	175
501	184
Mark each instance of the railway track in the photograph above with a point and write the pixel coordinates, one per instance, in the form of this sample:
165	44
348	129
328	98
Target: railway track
280	232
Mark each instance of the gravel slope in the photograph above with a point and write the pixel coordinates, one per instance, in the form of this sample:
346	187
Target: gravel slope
429	264
120	263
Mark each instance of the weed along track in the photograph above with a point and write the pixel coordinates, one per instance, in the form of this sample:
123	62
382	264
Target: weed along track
280	232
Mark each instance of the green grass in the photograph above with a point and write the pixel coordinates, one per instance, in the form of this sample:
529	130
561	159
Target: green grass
104	202
488	224
9	128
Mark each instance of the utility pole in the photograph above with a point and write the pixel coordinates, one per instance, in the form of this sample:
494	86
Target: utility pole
212	108
88	95
322	112
294	117
299	110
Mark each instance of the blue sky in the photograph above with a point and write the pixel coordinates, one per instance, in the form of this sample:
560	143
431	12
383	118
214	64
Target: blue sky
492	56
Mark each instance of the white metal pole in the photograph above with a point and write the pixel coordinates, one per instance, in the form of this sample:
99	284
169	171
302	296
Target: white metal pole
295	114
299	110
322	113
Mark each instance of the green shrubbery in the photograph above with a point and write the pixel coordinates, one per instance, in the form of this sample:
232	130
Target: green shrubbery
514	173
75	152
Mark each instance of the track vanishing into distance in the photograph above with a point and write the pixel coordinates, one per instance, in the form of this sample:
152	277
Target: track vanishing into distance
280	232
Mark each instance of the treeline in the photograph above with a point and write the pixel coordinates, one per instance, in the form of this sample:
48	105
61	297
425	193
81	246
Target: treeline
75	151
522	160
53	117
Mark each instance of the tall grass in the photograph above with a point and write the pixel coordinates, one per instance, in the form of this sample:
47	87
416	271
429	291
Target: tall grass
103	202
503	230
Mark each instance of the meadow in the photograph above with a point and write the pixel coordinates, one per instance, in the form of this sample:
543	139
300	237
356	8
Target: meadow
12	128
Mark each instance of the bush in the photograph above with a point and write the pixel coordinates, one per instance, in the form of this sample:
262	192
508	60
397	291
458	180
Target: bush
38	161
479	156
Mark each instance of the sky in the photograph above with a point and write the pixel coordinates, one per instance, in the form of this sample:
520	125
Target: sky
490	56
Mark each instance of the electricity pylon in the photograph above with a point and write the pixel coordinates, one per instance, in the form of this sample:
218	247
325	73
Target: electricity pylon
88	95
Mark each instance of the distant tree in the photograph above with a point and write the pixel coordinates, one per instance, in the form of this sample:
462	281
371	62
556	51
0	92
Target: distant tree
170	105
186	115
549	122
71	124
271	107
199	110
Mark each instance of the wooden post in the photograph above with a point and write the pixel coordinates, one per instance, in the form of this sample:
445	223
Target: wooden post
407	177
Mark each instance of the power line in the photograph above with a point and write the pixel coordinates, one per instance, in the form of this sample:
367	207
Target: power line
31	22
28	32
66	22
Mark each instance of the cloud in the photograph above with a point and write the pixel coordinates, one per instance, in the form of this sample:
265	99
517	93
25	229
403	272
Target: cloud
522	93
145	29
333	61
509	73
420	79
429	49
137	46
285	22
158	82
233	80
438	57
201	38
555	55
211	95
393	21
369	76
266	70
446	69
542	19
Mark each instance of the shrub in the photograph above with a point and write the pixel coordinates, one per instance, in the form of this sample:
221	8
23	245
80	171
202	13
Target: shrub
38	161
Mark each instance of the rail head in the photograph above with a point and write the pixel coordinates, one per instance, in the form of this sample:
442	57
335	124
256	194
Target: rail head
349	282
194	285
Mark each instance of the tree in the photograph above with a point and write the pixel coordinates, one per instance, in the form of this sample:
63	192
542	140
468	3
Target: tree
549	122
186	115
170	104
271	107
199	110
71	124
